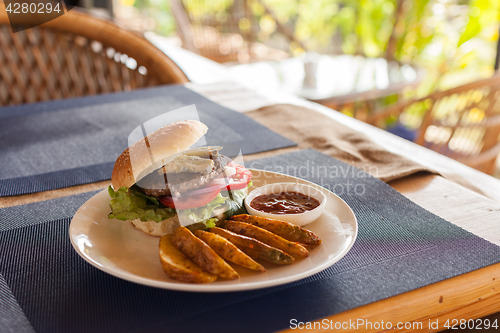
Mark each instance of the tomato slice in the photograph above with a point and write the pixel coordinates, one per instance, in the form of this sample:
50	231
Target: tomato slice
203	196
189	201
241	178
237	181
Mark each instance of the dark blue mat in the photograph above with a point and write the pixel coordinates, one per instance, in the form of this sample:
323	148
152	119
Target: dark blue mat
400	247
62	143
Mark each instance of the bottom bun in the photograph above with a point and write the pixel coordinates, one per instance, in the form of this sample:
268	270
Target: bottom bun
157	228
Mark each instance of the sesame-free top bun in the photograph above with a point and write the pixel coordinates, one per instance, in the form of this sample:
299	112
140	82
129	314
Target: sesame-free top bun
154	151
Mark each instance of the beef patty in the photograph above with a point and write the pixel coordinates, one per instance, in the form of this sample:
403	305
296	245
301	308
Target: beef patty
160	182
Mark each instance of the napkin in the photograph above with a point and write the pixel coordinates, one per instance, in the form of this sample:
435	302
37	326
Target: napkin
311	129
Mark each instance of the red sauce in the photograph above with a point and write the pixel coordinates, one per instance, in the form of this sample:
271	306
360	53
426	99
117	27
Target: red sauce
284	203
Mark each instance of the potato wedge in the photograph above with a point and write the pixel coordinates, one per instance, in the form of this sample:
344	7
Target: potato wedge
228	250
179	267
254	248
267	237
284	229
198	251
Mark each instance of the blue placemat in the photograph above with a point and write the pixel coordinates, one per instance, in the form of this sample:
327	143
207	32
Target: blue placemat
400	247
62	143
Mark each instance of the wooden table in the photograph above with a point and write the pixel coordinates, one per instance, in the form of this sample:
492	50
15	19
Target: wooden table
471	295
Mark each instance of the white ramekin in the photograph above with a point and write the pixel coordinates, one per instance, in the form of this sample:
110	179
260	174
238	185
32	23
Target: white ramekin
298	219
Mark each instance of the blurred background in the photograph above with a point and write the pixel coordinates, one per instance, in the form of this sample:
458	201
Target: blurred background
455	40
359	57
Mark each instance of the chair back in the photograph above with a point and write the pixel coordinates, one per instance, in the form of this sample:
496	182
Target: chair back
77	55
462	123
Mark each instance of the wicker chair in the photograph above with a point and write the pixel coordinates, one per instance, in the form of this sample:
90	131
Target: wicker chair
77	55
462	123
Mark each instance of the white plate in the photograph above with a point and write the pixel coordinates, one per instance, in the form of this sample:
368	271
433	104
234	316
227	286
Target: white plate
119	249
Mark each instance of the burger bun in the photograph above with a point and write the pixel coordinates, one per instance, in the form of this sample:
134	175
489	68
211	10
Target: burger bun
155	150
157	228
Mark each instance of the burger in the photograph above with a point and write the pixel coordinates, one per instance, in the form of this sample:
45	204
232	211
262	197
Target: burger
159	183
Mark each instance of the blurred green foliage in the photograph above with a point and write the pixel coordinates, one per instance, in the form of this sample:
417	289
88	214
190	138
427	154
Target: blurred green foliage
455	40
157	10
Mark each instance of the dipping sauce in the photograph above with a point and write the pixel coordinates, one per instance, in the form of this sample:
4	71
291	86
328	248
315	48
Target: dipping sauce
284	203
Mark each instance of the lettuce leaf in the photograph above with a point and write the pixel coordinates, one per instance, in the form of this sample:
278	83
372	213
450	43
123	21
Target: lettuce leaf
205	225
201	214
236	205
130	204
231	202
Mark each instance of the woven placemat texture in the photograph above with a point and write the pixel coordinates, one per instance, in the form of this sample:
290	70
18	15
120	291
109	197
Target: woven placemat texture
62	143
400	247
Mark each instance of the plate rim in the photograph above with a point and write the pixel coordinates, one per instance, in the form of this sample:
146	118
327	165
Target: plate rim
212	288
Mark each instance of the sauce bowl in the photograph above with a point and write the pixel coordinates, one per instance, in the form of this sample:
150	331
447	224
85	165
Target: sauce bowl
299	219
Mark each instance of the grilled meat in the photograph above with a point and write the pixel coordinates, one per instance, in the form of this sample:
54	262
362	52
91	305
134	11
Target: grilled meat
184	177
